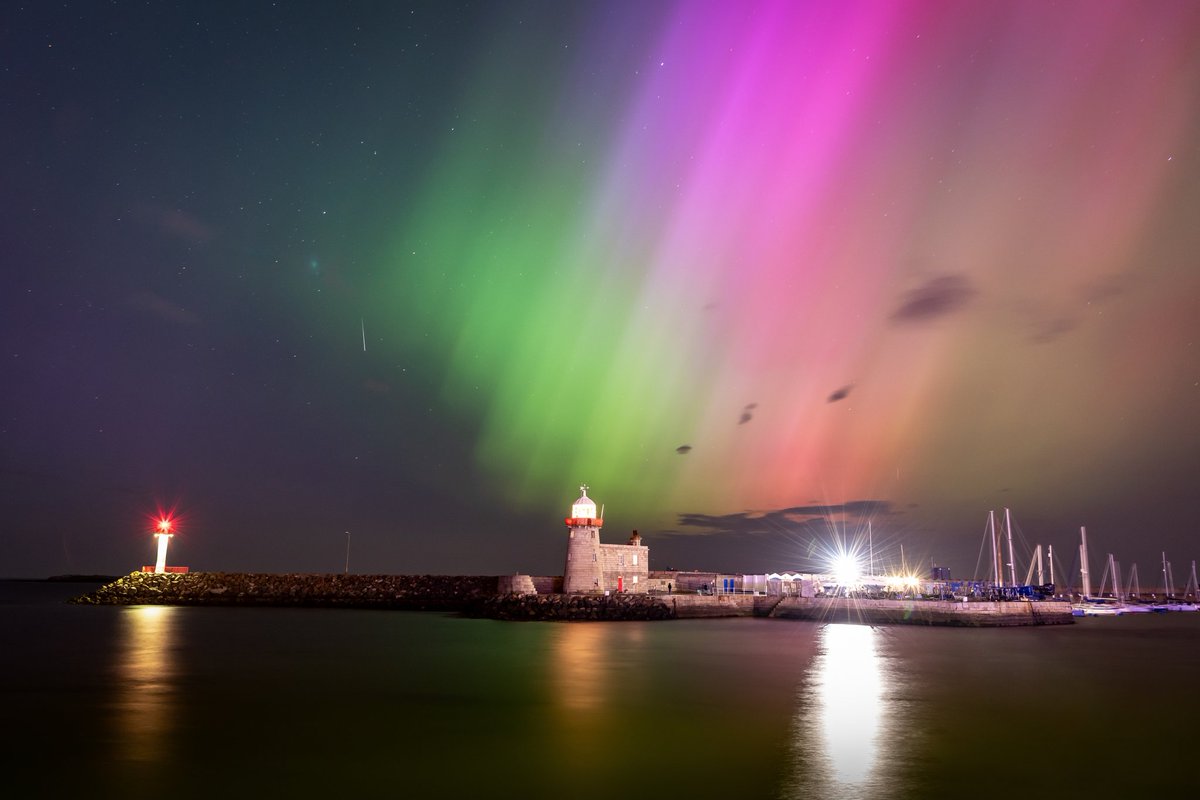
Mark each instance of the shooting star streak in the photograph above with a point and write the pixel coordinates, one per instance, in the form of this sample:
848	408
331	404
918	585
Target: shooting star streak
364	333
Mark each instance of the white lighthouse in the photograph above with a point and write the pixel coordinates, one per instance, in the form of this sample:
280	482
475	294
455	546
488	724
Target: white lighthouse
583	572
163	535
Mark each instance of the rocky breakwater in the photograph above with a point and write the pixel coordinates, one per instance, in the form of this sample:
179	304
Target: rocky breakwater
404	592
570	607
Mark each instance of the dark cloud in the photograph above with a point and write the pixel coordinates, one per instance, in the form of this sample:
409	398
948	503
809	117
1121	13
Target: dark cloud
683	449
792	519
162	308
797	538
938	297
840	394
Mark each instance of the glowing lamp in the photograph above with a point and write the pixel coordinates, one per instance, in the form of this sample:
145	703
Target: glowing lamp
163	534
584	507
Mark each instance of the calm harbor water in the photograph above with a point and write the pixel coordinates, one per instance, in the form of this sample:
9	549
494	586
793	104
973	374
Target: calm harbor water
127	701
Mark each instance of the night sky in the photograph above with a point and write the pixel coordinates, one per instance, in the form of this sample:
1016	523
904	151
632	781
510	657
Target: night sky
756	272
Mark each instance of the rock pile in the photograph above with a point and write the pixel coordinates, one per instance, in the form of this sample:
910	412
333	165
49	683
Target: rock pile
408	592
564	607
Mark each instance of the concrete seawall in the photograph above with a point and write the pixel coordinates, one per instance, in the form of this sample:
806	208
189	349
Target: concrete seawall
699	606
925	612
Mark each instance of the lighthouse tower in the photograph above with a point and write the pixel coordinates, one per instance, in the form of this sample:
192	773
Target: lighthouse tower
583	571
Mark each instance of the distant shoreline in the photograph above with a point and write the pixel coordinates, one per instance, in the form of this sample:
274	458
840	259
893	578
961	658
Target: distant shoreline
65	579
82	578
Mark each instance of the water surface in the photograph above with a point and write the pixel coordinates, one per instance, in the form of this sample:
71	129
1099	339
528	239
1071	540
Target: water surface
308	702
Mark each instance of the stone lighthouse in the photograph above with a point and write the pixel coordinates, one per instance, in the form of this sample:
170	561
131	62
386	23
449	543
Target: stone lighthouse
583	571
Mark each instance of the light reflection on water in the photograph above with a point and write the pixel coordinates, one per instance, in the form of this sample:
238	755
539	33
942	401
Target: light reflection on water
579	674
146	671
841	716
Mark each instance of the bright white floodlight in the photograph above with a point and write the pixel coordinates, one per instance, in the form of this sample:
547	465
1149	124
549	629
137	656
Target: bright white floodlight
846	570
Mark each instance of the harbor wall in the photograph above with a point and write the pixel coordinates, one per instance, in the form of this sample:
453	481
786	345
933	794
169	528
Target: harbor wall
700	606
509	597
925	612
548	584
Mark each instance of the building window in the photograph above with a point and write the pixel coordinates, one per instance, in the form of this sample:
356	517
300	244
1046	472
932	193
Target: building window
635	555
635	576
620	559
572	533
593	556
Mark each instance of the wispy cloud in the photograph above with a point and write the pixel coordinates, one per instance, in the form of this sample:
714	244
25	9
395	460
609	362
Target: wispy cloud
162	308
185	225
1051	329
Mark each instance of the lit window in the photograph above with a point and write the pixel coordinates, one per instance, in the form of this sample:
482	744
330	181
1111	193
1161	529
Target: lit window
635	555
635	576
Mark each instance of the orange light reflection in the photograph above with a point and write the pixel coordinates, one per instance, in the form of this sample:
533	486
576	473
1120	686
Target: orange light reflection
146	700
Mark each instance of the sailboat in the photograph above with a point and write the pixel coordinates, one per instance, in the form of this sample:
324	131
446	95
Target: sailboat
1134	590
1093	606
1171	604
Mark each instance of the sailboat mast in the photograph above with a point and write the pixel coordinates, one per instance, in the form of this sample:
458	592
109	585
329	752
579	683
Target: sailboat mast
1012	557
1166	584
871	546
997	573
1050	558
1083	563
1041	577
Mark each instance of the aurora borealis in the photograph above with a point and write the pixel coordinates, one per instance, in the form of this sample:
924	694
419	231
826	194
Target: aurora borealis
733	264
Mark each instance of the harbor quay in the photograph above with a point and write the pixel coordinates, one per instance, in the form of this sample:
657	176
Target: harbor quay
600	582
486	596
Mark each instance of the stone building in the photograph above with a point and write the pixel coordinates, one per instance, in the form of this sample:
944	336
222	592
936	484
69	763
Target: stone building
595	567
